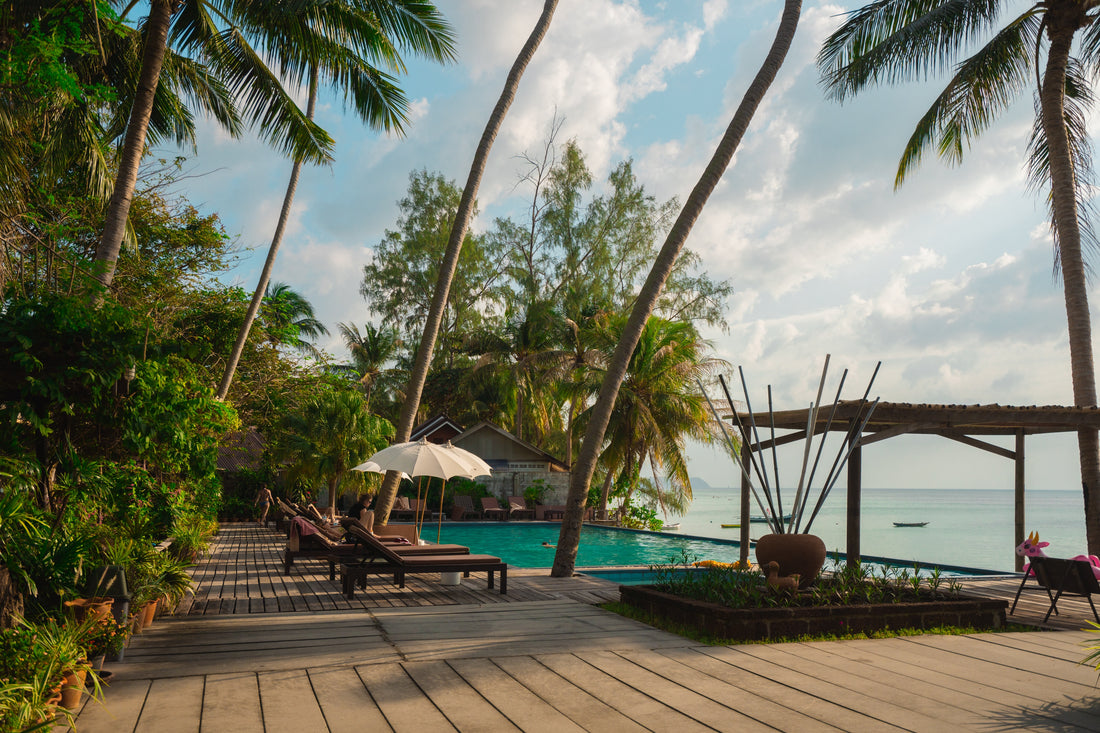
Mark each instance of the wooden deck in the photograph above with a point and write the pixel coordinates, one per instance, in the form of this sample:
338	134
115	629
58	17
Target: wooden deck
247	657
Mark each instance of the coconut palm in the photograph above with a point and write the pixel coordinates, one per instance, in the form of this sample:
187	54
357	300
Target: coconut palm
289	319
419	374
254	46
330	435
565	558
658	406
370	351
904	40
384	110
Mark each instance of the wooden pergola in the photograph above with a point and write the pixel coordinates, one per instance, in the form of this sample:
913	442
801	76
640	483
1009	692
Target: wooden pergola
960	423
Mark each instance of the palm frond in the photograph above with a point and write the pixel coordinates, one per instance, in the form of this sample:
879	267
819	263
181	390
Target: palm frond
1078	102
982	86
901	40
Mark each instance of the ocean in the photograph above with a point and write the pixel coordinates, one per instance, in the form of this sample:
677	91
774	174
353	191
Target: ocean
968	527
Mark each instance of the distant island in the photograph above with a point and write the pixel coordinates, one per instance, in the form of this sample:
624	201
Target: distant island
698	483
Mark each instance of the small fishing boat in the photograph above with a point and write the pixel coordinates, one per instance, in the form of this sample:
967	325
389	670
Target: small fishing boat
767	518
910	524
728	526
674	527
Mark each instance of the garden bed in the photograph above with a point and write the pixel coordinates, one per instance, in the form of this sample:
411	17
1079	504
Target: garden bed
751	624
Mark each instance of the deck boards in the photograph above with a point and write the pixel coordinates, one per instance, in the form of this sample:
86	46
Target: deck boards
259	651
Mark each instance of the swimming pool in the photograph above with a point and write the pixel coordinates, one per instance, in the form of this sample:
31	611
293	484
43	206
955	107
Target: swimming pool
520	544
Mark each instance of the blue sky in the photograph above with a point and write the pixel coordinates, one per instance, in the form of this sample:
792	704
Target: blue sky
948	281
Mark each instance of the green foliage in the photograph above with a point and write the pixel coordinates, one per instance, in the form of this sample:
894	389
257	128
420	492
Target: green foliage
467	486
739	587
536	491
641	517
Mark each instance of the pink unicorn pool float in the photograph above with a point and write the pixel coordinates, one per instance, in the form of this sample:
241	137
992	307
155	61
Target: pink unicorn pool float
1032	547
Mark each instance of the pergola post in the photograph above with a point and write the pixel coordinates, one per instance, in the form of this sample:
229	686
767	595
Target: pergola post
746	458
855	469
1019	527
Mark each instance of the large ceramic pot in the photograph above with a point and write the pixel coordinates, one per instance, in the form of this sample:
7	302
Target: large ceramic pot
796	554
98	608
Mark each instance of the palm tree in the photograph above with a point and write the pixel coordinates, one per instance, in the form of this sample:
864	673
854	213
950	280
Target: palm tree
370	351
329	436
419	375
909	39
658	406
385	110
565	558
289	319
341	39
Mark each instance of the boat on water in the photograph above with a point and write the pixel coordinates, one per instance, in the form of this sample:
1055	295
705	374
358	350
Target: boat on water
674	527
757	518
910	524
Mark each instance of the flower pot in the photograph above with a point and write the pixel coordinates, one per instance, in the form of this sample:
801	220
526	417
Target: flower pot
72	689
98	608
147	614
797	554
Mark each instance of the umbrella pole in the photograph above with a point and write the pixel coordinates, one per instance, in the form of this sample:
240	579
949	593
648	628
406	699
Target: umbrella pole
418	515
439	529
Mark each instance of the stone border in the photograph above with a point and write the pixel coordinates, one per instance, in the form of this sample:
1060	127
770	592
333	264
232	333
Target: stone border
751	624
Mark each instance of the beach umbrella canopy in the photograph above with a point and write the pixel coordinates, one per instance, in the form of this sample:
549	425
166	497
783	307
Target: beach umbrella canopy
421	458
372	467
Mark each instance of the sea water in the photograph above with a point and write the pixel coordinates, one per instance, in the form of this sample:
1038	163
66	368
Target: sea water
968	527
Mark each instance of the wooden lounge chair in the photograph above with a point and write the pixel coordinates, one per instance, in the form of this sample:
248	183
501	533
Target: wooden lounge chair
402	510
1063	577
367	551
517	508
466	503
316	545
492	508
385	561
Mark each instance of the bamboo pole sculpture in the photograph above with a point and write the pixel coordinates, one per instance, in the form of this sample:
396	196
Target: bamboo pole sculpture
773	511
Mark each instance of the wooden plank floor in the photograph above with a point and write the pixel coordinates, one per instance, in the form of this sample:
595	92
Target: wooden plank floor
248	654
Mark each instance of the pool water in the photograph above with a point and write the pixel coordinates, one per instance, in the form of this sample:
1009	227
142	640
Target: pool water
520	544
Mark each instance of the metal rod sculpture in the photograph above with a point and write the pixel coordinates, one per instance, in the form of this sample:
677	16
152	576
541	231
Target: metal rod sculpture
773	512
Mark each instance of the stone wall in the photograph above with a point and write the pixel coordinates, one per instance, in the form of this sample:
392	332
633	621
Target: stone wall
503	484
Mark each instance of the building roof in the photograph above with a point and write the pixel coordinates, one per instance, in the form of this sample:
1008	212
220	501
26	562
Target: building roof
438	429
554	463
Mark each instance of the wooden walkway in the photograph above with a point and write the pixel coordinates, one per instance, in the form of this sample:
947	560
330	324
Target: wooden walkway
432	658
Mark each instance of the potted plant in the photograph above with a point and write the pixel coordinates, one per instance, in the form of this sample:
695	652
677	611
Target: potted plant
790	544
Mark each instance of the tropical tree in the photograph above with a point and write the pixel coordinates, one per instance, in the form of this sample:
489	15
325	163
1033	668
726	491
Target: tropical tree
370	351
659	406
465	211
415	26
903	40
254	46
565	557
289	319
330	435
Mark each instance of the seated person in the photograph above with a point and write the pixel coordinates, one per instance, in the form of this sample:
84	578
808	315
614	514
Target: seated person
360	506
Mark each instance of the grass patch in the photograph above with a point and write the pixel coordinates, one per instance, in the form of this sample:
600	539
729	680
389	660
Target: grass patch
659	622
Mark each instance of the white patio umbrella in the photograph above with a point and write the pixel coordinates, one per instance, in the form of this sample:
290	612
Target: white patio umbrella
421	458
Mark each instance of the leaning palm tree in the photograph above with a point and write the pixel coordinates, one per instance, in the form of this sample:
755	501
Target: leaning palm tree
447	267
255	46
416	26
565	558
902	40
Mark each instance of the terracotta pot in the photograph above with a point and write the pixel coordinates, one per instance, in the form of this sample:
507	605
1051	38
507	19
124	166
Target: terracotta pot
797	554
98	608
147	614
72	689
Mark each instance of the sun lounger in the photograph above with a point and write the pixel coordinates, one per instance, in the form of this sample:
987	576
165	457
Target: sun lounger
517	508
385	561
466	503
401	510
492	508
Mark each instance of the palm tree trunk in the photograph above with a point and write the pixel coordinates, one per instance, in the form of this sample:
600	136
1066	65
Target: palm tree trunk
565	558
118	209
272	251
1064	195
419	375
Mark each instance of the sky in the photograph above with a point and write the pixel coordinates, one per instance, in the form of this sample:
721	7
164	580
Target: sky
949	281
